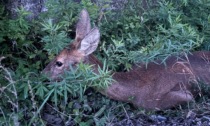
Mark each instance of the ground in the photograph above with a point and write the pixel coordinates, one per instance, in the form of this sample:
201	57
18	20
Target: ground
192	114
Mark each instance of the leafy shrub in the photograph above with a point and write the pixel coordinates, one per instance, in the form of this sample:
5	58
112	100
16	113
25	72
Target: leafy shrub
145	36
132	35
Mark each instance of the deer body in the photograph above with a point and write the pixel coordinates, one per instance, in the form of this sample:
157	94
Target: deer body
154	87
159	86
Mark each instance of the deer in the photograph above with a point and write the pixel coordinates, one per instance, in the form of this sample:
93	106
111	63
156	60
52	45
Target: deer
151	86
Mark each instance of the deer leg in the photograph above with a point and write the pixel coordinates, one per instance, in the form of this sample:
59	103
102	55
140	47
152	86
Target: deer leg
174	98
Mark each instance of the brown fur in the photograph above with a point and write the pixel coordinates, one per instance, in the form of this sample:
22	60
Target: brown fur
154	87
159	86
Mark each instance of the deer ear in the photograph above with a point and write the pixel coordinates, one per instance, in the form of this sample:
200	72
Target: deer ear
89	44
83	26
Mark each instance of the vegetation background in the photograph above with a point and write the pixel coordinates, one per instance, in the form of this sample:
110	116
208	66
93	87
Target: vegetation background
132	34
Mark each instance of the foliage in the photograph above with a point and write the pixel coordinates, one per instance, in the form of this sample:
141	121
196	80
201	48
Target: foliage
153	34
55	36
137	33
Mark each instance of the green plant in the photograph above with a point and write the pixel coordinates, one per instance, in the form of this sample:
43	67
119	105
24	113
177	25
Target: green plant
134	34
55	40
149	35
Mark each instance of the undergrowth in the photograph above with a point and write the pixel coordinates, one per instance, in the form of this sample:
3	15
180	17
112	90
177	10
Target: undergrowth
134	34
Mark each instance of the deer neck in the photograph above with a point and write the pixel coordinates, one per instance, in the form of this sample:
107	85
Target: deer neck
92	60
118	90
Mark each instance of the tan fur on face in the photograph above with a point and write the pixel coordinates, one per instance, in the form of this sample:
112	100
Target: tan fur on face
70	57
74	55
67	57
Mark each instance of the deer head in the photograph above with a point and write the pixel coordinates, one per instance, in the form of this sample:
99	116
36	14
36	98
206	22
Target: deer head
85	43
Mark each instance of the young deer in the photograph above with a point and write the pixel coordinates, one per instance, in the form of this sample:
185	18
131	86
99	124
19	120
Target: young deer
154	87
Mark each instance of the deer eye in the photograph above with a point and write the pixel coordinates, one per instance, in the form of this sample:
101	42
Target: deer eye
58	63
